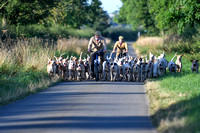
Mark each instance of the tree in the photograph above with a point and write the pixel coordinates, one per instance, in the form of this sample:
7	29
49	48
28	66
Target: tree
136	13
101	22
175	15
24	12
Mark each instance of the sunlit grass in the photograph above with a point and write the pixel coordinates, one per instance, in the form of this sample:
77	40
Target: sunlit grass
23	66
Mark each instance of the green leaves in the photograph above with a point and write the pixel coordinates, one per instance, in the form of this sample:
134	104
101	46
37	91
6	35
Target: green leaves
70	13
167	15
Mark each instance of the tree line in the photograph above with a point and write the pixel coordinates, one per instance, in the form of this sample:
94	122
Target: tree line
161	16
69	13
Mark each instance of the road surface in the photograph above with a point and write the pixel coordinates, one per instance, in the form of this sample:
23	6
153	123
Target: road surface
80	107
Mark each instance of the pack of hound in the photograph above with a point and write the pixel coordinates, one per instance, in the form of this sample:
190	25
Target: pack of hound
136	69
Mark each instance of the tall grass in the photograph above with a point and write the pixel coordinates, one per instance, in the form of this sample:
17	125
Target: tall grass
23	66
174	99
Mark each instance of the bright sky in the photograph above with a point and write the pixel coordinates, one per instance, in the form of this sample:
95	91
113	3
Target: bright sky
111	5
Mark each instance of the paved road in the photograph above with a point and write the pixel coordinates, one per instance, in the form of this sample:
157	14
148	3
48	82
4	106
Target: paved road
80	107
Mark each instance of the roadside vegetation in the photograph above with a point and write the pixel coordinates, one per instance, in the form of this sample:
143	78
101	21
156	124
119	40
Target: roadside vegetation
174	99
23	66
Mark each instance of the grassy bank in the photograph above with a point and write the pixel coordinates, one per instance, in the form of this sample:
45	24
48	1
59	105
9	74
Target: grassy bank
23	66
174	99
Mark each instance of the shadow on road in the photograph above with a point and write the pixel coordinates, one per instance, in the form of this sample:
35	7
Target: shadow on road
83	122
101	83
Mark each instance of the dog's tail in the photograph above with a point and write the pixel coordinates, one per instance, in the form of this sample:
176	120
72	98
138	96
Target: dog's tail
80	56
174	57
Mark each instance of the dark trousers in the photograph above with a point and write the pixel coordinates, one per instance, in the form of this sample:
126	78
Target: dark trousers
93	57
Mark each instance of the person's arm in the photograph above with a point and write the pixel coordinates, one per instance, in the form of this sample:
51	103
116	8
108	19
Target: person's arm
105	45
115	46
126	46
90	44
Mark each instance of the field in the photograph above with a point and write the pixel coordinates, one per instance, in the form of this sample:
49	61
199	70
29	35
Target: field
174	99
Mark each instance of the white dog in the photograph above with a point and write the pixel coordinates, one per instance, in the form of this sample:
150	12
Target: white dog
51	68
72	69
126	71
113	71
172	65
106	69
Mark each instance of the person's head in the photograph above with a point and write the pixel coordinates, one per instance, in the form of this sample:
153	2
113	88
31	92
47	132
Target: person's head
121	38
97	34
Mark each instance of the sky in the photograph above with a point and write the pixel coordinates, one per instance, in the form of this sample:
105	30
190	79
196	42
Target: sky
111	5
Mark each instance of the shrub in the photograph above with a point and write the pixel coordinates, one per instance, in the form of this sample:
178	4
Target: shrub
115	32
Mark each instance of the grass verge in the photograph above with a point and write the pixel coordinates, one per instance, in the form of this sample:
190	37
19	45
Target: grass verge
23	66
174	99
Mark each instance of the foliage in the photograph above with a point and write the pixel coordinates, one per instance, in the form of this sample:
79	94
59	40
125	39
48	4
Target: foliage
101	22
115	32
68	13
52	32
166	16
175	100
23	66
136	13
25	12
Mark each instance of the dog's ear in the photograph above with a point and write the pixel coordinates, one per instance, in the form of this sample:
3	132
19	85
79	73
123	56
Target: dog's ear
191	60
197	61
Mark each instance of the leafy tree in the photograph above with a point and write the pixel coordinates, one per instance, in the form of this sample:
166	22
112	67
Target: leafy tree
136	13
101	22
75	13
175	15
25	12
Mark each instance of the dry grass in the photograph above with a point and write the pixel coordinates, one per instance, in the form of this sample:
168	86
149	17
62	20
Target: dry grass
150	41
145	45
23	66
72	44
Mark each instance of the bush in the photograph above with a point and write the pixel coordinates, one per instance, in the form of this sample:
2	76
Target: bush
115	32
40	31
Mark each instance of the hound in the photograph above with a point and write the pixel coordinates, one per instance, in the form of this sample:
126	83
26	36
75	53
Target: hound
136	72
172	65
155	68
113	71
126	71
87	67
71	69
179	63
195	66
64	68
80	69
51	68
106	68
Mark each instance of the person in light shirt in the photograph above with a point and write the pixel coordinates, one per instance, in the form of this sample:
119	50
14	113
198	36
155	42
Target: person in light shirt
96	43
122	47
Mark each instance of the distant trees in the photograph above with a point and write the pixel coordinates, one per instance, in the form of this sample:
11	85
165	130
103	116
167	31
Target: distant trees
70	13
174	16
23	12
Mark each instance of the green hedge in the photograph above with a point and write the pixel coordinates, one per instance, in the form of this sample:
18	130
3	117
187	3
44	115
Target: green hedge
41	31
115	32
